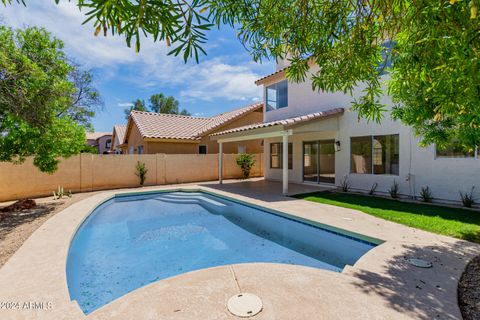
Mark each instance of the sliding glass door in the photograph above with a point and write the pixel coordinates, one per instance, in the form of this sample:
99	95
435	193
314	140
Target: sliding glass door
319	161
310	161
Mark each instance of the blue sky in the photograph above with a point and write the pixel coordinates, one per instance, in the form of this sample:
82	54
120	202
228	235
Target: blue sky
223	80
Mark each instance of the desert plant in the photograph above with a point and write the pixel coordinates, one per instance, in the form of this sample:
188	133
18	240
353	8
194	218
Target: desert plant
373	188
246	161
394	189
345	183
141	172
467	198
426	194
59	194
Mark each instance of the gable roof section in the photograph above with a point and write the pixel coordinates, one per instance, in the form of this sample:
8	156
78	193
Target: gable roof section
286	123
118	133
177	127
227	117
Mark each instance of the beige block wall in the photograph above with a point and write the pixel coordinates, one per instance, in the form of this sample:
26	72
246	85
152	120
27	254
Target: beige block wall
88	172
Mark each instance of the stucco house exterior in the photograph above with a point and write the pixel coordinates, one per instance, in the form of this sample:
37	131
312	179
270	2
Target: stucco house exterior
118	135
151	133
101	140
323	142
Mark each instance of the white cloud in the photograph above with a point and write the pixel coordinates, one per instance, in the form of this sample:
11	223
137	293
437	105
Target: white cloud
217	78
124	104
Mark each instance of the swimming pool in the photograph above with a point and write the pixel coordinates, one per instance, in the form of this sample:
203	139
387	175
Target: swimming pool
131	241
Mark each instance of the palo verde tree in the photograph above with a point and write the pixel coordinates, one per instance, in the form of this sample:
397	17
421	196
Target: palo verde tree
42	112
434	49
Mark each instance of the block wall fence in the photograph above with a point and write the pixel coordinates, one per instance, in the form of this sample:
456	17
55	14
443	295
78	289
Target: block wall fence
90	172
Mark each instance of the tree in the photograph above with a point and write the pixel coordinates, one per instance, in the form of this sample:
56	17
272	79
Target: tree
161	104
433	46
86	99
37	117
138	105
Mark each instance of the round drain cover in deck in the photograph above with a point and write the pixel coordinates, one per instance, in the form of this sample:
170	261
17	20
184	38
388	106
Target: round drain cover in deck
244	305
419	263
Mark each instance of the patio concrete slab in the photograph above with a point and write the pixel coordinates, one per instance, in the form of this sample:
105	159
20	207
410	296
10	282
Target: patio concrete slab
381	285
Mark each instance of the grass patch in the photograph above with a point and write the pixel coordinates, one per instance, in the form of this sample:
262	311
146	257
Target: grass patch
454	222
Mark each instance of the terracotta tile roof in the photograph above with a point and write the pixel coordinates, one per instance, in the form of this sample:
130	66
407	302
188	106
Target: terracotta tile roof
96	135
226	117
119	130
170	126
261	80
284	122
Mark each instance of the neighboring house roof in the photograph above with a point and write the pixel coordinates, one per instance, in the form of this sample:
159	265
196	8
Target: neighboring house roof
178	127
97	135
119	131
284	122
226	117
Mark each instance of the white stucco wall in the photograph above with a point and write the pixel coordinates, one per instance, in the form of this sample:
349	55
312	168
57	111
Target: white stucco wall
417	166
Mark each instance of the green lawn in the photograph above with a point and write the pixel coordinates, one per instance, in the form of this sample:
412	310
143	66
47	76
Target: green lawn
454	222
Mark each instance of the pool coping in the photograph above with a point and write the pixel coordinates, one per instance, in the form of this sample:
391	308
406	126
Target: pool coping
73	217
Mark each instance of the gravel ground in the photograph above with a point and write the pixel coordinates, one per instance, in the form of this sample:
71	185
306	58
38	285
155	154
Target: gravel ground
469	291
18	226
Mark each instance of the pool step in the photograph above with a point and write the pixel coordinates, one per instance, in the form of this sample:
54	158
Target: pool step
200	199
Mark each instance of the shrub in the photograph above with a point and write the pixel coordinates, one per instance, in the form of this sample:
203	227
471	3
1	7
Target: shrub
345	184
426	194
467	198
61	193
141	172
246	161
394	189
373	188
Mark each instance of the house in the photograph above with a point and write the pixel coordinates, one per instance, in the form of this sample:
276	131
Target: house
315	137
150	133
101	140
118	135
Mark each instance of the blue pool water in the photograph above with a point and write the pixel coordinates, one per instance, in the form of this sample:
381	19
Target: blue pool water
129	242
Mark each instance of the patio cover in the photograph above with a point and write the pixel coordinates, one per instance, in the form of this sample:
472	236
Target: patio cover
278	128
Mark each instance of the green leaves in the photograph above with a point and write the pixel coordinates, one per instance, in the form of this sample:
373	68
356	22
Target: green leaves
434	46
435	78
37	114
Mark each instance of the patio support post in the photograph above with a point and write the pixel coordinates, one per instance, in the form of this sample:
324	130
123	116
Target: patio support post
220	162
285	165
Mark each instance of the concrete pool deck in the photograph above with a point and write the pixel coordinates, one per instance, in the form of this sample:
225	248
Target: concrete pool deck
381	285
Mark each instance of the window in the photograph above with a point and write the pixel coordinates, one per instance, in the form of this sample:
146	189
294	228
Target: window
375	154
130	150
386	154
242	149
277	95
108	143
140	150
454	150
276	155
202	149
361	151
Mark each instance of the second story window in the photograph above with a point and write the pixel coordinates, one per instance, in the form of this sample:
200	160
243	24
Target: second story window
277	95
